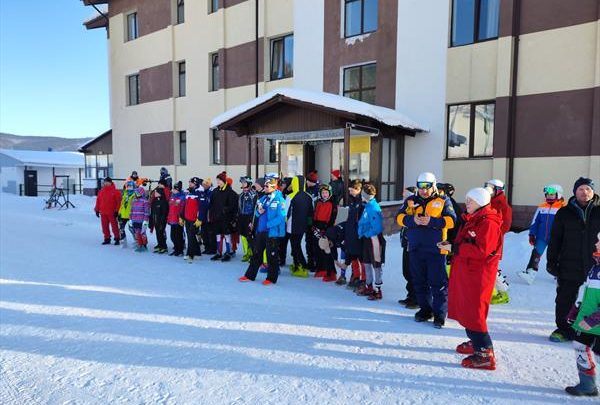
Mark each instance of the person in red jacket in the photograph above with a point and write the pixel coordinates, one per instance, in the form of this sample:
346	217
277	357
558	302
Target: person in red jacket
324	218
500	204
474	262
107	209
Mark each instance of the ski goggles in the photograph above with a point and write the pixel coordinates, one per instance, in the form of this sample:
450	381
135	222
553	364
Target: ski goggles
424	185
550	190
492	186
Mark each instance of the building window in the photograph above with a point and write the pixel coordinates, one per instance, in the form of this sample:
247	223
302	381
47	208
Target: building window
273	151
133	89
360	17
216	147
182	148
389	169
474	21
132	26
180	12
181	78
214	71
359	82
213	6
470	130
282	57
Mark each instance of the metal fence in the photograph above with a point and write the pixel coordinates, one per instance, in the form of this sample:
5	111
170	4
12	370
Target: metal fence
47	189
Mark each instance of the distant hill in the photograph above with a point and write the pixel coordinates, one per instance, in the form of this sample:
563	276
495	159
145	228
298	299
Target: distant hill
25	142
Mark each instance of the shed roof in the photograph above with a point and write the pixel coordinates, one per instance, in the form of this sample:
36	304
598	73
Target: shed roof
45	159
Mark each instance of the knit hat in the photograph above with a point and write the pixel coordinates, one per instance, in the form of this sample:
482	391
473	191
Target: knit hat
222	176
134	174
336	173
480	195
583	181
229	181
107	179
178	186
312	176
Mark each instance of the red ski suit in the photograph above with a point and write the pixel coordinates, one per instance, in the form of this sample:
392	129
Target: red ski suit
107	205
500	204
473	274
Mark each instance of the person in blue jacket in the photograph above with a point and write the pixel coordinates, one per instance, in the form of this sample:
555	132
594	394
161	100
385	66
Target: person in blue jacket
270	227
370	231
539	230
427	216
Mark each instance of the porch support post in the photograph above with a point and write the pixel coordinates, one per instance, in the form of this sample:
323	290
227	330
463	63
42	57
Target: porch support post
346	162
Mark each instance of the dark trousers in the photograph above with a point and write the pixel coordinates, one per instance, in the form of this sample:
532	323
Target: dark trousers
311	249
193	247
410	289
326	262
430	280
566	294
262	242
209	238
177	238
161	235
122	225
243	224
481	340
283	243
297	254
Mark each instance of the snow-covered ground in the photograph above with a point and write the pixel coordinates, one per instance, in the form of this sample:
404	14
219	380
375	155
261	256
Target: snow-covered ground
90	324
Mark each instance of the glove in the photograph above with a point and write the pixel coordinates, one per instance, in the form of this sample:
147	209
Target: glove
197	223
181	222
532	240
144	226
572	315
552	269
97	214
119	216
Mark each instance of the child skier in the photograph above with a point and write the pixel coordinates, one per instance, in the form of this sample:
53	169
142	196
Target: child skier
323	218
175	205
139	216
247	201
585	319
159	210
539	231
370	230
124	210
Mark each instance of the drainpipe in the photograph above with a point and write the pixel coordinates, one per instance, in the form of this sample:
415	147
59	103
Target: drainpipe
512	116
256	78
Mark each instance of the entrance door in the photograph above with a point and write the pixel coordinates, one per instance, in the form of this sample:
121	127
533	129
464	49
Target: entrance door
30	183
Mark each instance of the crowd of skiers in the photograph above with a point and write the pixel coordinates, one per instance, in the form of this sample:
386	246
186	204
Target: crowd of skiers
450	258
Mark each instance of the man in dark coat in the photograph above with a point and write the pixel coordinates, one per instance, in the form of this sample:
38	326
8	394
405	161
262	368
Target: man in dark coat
299	219
222	214
570	249
337	187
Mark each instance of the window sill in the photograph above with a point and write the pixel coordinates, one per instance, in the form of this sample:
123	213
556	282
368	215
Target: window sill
474	43
358	35
281	78
469	158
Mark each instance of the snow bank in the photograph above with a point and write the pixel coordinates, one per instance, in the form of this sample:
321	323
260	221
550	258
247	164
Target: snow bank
88	324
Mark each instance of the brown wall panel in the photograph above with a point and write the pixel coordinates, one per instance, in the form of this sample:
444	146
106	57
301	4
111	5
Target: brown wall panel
501	126
540	15
239	66
229	3
103	145
156	83
157	149
377	46
153	15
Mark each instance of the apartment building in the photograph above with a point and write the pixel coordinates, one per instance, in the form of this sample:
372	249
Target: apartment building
505	88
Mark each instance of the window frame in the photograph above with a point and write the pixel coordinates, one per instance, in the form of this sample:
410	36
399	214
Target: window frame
362	18
213	6
181	75
211	59
137	90
179	11
136	33
476	25
182	143
472	116
396	171
360	89
290	74
215	152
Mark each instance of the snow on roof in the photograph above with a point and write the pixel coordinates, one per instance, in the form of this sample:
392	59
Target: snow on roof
47	159
382	114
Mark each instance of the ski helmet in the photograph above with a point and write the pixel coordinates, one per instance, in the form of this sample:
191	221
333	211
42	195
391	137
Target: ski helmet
325	187
554	189
426	180
247	180
495	184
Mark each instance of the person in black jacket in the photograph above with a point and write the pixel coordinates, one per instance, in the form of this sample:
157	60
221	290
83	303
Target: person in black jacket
299	219
337	187
570	251
410	301
159	211
222	214
447	189
352	246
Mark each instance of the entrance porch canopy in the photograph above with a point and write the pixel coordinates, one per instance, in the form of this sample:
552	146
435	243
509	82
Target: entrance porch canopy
289	114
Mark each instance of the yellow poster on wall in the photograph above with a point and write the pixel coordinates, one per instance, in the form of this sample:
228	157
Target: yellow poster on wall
360	144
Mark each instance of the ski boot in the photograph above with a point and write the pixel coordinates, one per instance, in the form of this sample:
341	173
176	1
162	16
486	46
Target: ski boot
559	336
586	387
465	348
216	257
482	360
106	241
341	280
320	273
528	275
365	290
500	298
226	257
376	294
423	316
438	322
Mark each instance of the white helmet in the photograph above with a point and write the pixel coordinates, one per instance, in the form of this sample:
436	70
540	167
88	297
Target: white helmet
554	189
426	177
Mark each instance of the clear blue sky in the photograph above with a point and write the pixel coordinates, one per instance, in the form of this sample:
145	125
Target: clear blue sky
53	72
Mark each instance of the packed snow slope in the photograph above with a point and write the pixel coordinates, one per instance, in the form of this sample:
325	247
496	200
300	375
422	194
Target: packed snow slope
82	323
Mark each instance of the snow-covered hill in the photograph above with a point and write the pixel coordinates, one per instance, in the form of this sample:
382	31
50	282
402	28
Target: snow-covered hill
82	323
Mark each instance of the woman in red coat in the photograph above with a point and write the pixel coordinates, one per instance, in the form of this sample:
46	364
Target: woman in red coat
474	263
